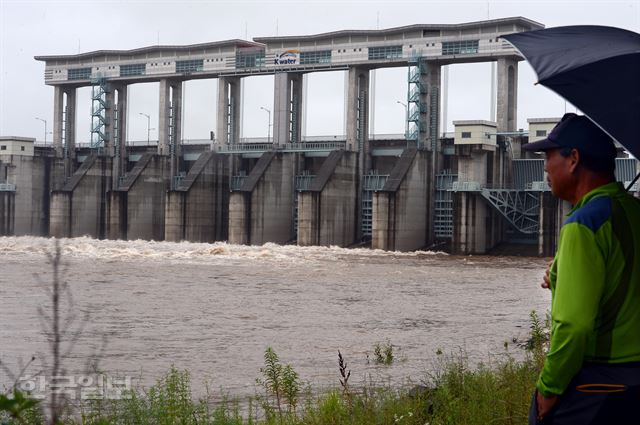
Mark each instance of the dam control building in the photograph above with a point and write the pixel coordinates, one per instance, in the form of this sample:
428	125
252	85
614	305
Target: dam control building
421	189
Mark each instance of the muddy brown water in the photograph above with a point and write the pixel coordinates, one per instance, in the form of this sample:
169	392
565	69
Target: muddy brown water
213	308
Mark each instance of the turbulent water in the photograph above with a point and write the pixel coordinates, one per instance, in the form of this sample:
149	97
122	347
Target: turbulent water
214	308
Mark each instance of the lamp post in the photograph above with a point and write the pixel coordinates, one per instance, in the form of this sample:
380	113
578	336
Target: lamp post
406	118
45	129
268	124
148	127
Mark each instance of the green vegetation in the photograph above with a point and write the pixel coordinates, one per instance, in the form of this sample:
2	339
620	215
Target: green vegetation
497	392
383	352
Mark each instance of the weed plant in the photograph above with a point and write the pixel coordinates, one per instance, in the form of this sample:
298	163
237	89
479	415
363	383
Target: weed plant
383	353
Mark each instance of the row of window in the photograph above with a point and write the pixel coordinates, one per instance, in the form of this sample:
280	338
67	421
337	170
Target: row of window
385	52
323	56
250	60
4	148
460	47
257	59
191	65
134	69
79	74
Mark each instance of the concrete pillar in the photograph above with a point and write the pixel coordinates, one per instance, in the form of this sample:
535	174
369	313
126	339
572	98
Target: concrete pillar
60	215
228	115
117	217
326	210
507	95
174	226
400	221
69	150
357	128
120	134
58	118
287	104
358	115
163	117
240	218
169	119
111	120
70	123
470	221
64	121
146	199
205	214
261	210
430	99
7	213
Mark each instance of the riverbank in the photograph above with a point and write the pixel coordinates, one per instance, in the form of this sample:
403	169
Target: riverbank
497	391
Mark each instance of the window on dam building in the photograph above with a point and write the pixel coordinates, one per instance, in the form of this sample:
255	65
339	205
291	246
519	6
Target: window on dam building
192	65
250	57
459	47
133	69
79	74
322	56
385	52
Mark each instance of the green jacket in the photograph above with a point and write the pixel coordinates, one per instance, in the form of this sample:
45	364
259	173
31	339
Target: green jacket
595	287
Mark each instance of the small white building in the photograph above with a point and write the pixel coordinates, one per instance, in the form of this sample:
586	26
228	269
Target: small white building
475	132
10	145
539	128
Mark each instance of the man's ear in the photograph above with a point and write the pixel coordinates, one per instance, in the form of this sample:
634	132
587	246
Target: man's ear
574	160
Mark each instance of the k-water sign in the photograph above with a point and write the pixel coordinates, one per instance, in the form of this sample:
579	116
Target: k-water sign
288	57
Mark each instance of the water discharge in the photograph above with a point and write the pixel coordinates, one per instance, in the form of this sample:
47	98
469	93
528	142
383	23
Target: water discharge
214	308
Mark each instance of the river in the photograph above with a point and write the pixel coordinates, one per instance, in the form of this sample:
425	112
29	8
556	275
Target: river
214	308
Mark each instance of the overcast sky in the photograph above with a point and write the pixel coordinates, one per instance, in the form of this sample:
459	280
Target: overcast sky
30	28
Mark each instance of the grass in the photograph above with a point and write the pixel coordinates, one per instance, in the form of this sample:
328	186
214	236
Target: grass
496	392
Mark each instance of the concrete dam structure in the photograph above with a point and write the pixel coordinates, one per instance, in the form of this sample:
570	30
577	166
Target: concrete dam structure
470	191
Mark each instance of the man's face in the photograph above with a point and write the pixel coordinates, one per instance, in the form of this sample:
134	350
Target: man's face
560	173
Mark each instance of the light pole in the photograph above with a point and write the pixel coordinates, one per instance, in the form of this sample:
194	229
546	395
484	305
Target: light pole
406	118
268	124
45	129
148	126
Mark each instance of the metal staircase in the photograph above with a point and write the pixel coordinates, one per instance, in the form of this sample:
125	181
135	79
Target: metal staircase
416	108
99	108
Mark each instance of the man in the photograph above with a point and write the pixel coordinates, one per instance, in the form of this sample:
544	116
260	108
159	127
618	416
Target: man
591	373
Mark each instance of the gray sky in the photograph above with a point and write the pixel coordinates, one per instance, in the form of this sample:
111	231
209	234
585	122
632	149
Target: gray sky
30	28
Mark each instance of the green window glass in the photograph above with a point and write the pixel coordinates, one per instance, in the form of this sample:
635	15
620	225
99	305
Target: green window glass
133	69
459	47
385	52
322	56
192	65
249	57
79	74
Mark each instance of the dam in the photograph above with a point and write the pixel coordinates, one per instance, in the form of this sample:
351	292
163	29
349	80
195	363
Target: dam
469	191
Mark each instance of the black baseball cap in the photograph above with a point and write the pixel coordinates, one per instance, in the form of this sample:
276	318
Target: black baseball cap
576	132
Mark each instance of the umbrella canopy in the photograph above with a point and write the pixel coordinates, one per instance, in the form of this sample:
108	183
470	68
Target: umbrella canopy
595	68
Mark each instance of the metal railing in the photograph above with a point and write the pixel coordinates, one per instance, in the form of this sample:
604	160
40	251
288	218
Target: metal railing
7	187
466	187
541	186
313	146
303	182
246	147
237	181
177	181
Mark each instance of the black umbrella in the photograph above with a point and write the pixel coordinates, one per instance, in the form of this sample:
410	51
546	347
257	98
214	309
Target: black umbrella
595	68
